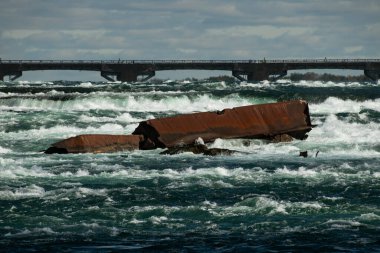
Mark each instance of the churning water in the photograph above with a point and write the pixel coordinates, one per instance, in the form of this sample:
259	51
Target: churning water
265	198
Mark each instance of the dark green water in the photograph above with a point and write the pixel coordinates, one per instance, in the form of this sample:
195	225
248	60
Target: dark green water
265	198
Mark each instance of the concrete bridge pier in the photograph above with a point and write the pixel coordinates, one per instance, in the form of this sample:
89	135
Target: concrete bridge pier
258	76
266	72
237	74
373	74
127	76
252	73
147	76
131	72
15	75
12	75
107	75
280	74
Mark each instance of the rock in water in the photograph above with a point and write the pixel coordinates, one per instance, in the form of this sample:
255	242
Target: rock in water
197	149
282	138
96	143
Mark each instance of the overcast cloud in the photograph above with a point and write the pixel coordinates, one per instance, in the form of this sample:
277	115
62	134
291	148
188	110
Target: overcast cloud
189	29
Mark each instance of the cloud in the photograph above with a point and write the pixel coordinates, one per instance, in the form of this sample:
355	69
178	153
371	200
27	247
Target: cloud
188	29
75	33
187	50
264	31
353	49
18	34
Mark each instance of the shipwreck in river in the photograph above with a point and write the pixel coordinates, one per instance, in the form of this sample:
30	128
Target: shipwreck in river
281	121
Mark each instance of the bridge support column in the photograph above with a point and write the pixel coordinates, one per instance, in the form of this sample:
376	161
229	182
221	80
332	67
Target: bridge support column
280	75
238	76
1	76
258	76
374	75
107	75
148	76
127	76
266	73
15	75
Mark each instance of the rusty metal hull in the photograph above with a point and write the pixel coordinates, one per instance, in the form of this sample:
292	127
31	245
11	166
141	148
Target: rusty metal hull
277	121
96	143
254	121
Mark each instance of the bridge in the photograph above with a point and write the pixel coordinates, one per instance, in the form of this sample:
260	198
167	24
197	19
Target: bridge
244	70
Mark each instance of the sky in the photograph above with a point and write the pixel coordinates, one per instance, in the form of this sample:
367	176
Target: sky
185	29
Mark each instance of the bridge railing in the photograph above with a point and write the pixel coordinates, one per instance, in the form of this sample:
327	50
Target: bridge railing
124	61
325	60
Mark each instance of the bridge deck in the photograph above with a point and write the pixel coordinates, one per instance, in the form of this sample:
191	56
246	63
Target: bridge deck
129	70
298	61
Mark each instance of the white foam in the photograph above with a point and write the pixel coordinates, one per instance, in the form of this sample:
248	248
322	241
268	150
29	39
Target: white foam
184	104
29	95
21	82
209	204
34	231
263	84
267	205
332	198
337	131
300	172
10	168
129	103
302	83
127	117
275	207
369	217
61	131
333	105
86	84
79	173
283	81
124	117
45	230
199	141
83	192
342	224
31	191
158	219
259	147
306	83
136	221
4	150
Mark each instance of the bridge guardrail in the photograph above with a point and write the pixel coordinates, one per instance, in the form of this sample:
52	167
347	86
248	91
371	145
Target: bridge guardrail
326	60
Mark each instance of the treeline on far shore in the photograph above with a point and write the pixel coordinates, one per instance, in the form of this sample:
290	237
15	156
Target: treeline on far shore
312	76
309	76
294	77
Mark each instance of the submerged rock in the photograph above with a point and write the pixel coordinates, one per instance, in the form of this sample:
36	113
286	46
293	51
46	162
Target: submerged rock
282	138
197	149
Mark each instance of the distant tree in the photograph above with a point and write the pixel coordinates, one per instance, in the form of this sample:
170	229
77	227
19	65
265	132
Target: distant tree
312	76
227	79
